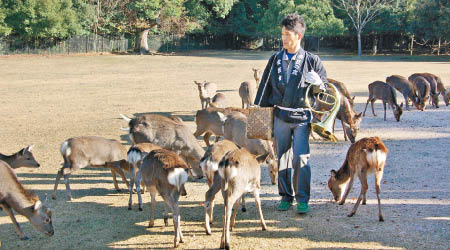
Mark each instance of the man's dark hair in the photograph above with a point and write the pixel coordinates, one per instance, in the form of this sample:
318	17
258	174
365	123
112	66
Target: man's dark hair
294	22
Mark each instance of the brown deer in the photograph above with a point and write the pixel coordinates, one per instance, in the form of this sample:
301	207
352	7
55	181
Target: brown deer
235	130
218	101
135	156
423	91
168	133
13	196
206	91
93	151
164	172
240	173
257	76
23	158
247	94
367	155
379	90
405	87
210	166
342	89
436	87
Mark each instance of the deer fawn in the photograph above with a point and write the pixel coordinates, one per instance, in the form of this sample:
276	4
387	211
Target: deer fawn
366	156
135	156
83	151
210	166
206	91
247	94
14	196
164	172
240	173
257	76
379	90
23	158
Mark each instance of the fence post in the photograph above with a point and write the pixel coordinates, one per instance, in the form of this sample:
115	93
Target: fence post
68	47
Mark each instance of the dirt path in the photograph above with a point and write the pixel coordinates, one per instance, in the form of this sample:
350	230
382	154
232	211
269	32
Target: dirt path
46	100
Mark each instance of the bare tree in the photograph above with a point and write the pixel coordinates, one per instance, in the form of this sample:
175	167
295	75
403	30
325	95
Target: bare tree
361	12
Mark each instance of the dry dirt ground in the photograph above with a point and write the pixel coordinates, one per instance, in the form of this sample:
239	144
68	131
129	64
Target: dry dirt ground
46	100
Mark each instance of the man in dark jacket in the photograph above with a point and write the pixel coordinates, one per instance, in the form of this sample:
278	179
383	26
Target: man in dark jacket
283	85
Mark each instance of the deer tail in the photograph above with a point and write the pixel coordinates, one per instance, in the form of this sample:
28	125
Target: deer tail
177	177
65	149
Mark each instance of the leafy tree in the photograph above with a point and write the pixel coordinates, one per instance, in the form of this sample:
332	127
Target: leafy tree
4	28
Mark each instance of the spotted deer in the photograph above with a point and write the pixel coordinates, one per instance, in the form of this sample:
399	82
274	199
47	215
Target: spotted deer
206	91
366	156
240	173
379	90
247	93
93	151
23	158
13	196
164	172
210	167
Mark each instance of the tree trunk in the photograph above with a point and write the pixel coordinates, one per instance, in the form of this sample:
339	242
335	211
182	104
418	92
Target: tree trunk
359	43
318	44
141	42
439	47
380	44
375	44
411	48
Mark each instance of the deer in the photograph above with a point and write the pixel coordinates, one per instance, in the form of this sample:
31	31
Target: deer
247	94
210	166
405	87
218	101
135	156
436	87
22	158
13	196
368	155
93	151
240	173
206	91
169	133
235	130
342	89
422	87
257	76
165	172
379	90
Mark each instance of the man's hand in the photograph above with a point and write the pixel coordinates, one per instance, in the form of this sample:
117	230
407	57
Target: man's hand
313	78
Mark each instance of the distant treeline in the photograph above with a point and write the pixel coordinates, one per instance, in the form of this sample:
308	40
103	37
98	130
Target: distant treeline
419	26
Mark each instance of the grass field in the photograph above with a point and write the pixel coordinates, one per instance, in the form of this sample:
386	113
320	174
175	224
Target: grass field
46	100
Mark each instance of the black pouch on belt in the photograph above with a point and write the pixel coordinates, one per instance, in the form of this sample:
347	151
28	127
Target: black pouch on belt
294	116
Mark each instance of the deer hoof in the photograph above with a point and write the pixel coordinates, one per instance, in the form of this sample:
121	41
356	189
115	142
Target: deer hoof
166	222
129	207
341	203
119	190
350	214
140	209
69	198
380	218
54	196
25	238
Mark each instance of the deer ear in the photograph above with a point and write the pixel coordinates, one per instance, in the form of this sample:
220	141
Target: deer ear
29	148
333	173
37	205
262	158
353	98
359	115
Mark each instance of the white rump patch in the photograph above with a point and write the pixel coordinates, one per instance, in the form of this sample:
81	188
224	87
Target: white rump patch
375	159
177	177
65	149
222	116
134	156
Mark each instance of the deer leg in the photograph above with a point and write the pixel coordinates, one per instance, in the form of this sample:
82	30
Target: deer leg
373	110
209	201
58	177
233	217
206	137
364	186
347	190
14	221
67	182
116	186
230	200
171	200
384	106
378	177
345	133
138	182
244	208
405	95
152	192
166	215
258	206
367	103
130	187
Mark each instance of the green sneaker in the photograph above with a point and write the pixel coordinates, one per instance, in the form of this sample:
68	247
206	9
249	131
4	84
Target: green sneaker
284	205
302	208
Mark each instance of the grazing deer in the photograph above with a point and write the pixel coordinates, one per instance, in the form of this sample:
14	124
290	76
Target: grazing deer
135	156
405	87
13	196
257	76
210	166
168	133
379	90
218	101
235	130
342	89
240	173
206	91
93	151
436	87
423	91
163	171
247	94
23	158
366	156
